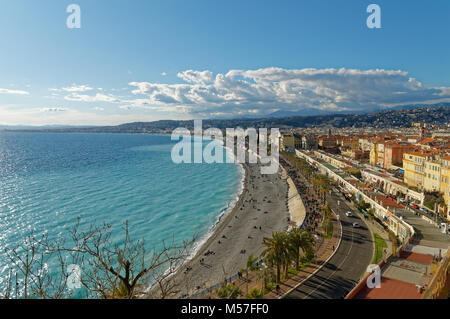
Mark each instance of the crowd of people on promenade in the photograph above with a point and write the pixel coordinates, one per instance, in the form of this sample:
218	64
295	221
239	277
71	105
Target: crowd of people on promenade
311	198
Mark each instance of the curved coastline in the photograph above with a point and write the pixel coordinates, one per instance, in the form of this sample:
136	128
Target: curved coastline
260	210
221	218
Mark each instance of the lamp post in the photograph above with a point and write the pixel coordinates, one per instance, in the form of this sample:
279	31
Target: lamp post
263	268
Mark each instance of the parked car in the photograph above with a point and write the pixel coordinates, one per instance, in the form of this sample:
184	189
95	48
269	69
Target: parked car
349	214
422	209
355	224
415	206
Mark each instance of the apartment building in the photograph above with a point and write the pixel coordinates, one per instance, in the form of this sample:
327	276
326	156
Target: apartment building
413	165
432	175
377	153
393	154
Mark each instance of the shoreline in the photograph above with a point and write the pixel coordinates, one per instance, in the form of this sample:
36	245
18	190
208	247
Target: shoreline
262	208
221	218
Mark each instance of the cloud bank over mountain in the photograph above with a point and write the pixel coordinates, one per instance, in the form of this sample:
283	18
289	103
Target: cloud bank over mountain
263	91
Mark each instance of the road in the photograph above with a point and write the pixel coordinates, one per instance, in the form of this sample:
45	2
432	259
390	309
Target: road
344	270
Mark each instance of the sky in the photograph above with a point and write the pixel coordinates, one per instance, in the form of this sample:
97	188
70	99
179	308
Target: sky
146	60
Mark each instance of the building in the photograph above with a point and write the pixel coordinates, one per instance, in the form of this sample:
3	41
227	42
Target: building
327	142
427	143
393	154
309	142
287	142
445	182
377	153
432	176
297	141
365	144
348	142
413	165
356	154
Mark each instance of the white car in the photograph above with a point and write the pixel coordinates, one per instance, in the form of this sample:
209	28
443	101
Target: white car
355	224
348	214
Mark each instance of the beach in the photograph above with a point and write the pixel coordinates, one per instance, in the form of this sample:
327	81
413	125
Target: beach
261	209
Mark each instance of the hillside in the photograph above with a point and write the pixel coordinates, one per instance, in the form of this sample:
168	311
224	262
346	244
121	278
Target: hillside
438	115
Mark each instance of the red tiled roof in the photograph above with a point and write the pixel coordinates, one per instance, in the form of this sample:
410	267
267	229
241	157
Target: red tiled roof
420	258
390	289
427	140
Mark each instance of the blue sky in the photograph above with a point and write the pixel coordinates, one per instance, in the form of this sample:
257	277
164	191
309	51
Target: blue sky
150	60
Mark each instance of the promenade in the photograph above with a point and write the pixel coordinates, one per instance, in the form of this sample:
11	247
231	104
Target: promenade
296	207
324	251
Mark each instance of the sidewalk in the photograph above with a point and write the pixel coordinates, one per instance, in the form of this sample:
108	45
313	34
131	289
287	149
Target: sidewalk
323	253
295	203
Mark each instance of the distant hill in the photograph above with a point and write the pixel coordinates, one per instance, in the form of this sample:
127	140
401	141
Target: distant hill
314	112
430	114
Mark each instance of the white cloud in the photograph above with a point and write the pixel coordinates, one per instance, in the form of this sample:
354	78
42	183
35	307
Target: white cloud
77	88
196	76
16	92
91	98
263	90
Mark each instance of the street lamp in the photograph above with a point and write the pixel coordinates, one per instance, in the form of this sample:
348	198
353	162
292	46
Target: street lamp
263	269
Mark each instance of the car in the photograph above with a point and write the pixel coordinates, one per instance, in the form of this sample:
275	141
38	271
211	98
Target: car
415	206
355	224
422	209
348	214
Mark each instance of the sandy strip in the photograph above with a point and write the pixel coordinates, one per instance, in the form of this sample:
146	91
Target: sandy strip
263	203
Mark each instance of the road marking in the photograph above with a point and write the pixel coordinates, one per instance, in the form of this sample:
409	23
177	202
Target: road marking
317	270
348	254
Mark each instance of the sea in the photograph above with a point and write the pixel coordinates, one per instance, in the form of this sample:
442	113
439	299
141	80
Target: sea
49	181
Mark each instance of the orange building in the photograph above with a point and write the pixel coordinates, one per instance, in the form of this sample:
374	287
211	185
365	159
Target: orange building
393	153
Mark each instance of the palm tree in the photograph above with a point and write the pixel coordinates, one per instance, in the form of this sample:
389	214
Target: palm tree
276	251
300	240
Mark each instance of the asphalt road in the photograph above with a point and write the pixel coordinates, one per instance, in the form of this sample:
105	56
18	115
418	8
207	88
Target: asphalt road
344	270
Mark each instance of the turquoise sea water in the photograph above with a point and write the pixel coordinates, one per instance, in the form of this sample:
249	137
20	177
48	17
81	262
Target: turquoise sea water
49	180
